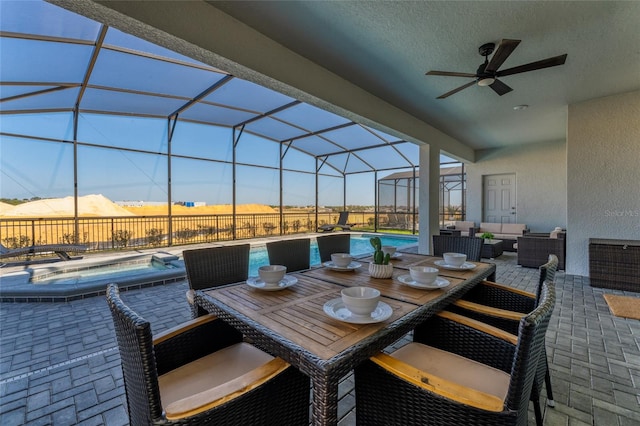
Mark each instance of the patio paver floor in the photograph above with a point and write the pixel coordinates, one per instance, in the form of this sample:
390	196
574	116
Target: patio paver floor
59	364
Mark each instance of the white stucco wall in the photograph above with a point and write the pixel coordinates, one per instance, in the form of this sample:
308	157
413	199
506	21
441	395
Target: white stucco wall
603	150
541	183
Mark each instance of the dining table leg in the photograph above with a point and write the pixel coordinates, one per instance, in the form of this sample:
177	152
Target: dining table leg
325	402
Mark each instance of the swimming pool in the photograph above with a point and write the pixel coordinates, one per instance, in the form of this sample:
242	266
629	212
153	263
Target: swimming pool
65	281
359	246
115	271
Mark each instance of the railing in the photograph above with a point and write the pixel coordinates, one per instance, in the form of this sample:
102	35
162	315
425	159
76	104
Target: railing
134	232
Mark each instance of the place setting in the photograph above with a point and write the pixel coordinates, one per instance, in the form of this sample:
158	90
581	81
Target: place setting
358	305
424	277
392	252
454	262
272	278
342	262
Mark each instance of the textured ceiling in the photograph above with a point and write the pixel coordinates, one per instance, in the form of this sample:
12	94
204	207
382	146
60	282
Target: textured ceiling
386	48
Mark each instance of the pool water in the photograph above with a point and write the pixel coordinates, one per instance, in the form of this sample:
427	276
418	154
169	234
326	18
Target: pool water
140	267
114	271
360	245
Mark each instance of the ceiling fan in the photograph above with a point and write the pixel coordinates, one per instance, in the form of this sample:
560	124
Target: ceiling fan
487	73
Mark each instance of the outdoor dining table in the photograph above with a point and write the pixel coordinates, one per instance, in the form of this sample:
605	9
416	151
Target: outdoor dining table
291	323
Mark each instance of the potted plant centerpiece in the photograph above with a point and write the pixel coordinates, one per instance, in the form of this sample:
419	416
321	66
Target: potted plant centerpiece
380	267
487	236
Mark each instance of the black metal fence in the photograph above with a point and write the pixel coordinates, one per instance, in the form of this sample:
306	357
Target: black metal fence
133	232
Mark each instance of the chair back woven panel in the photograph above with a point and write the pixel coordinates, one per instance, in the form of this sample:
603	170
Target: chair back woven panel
471	246
530	347
498	298
547	273
336	243
295	254
135	343
215	266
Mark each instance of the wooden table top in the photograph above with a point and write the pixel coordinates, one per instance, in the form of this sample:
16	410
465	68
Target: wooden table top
296	313
389	287
291	323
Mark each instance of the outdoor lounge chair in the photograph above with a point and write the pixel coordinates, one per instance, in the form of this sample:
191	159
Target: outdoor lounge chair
342	224
60	249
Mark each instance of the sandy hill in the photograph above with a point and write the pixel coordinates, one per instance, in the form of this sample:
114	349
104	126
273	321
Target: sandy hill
89	205
205	210
5	207
99	205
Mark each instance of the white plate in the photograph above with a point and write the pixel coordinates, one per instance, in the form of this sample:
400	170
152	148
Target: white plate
396	255
335	309
438	283
466	266
350	267
287	281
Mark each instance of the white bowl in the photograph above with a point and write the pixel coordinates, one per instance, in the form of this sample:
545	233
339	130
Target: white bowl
272	274
423	274
454	259
360	300
389	249
341	260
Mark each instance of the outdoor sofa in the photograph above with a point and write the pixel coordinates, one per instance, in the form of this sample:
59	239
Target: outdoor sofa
507	232
465	227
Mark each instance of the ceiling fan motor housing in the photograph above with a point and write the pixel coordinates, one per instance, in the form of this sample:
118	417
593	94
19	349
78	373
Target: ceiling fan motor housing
487	49
485	78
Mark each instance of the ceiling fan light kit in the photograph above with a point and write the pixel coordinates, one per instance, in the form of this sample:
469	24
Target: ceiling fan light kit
486	81
487	73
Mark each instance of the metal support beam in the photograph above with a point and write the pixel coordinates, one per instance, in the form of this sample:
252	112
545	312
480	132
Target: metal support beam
282	154
171	128
236	140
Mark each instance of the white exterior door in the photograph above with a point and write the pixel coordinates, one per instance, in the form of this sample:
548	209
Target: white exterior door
499	198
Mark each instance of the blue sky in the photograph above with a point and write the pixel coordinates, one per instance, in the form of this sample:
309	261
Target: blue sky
41	84
39	168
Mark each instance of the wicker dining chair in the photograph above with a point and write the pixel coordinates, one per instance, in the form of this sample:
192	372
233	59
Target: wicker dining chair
334	243
295	254
471	246
503	306
202	373
455	372
214	266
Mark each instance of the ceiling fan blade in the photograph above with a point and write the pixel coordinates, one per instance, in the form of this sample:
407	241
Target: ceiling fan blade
451	74
446	95
545	63
500	88
505	49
